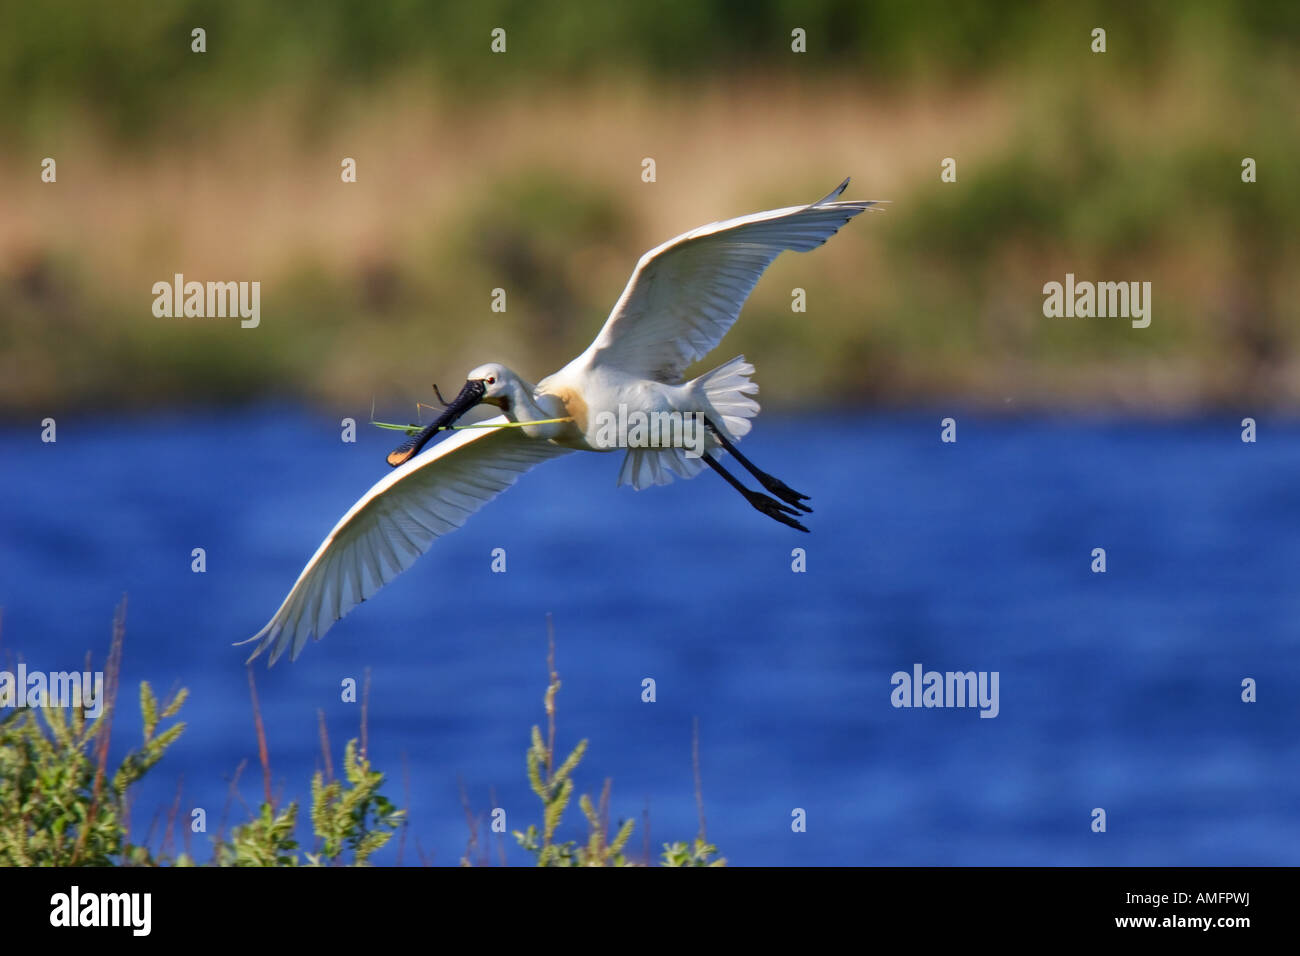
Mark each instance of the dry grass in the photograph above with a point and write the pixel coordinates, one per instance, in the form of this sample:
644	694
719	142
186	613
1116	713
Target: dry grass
253	198
377	288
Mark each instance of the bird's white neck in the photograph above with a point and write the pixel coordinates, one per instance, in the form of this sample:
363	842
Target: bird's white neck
525	405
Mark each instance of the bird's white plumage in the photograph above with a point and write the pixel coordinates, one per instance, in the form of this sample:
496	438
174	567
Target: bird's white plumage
726	390
394	523
681	300
687	293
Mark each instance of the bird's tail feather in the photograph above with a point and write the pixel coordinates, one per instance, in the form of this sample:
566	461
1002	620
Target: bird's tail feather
728	390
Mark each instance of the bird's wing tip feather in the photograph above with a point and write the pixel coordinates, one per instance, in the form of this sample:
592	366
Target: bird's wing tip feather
267	637
248	640
257	652
834	193
859	205
855	206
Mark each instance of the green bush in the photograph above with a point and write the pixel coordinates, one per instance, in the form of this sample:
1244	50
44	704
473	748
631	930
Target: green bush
59	806
554	787
54	807
355	818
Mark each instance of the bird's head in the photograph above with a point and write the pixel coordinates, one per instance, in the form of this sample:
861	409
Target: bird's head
496	380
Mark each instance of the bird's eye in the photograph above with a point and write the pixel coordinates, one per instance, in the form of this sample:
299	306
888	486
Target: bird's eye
491	380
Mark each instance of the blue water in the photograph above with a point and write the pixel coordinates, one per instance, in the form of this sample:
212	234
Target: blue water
1119	690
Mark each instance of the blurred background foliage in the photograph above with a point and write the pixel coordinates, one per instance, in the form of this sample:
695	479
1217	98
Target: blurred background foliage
523	171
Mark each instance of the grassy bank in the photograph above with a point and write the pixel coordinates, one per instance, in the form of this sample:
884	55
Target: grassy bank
526	176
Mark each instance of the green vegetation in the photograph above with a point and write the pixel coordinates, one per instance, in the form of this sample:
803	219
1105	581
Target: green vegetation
554	788
350	822
59	806
55	807
130	65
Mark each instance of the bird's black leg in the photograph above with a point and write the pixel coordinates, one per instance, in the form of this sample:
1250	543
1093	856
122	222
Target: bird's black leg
774	485
769	506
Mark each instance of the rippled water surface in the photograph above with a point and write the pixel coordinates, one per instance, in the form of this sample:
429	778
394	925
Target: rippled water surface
1119	690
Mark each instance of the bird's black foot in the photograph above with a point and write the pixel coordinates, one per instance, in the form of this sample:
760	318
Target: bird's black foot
784	491
774	509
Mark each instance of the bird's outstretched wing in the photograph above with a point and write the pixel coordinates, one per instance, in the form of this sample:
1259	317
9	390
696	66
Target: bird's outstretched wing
686	294
394	523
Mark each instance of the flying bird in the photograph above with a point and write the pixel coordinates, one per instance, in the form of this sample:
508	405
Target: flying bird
682	299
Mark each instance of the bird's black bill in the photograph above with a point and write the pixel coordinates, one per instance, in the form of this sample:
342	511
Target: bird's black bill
469	396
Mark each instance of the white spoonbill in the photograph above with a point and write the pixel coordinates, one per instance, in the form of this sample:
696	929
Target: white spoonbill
680	302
